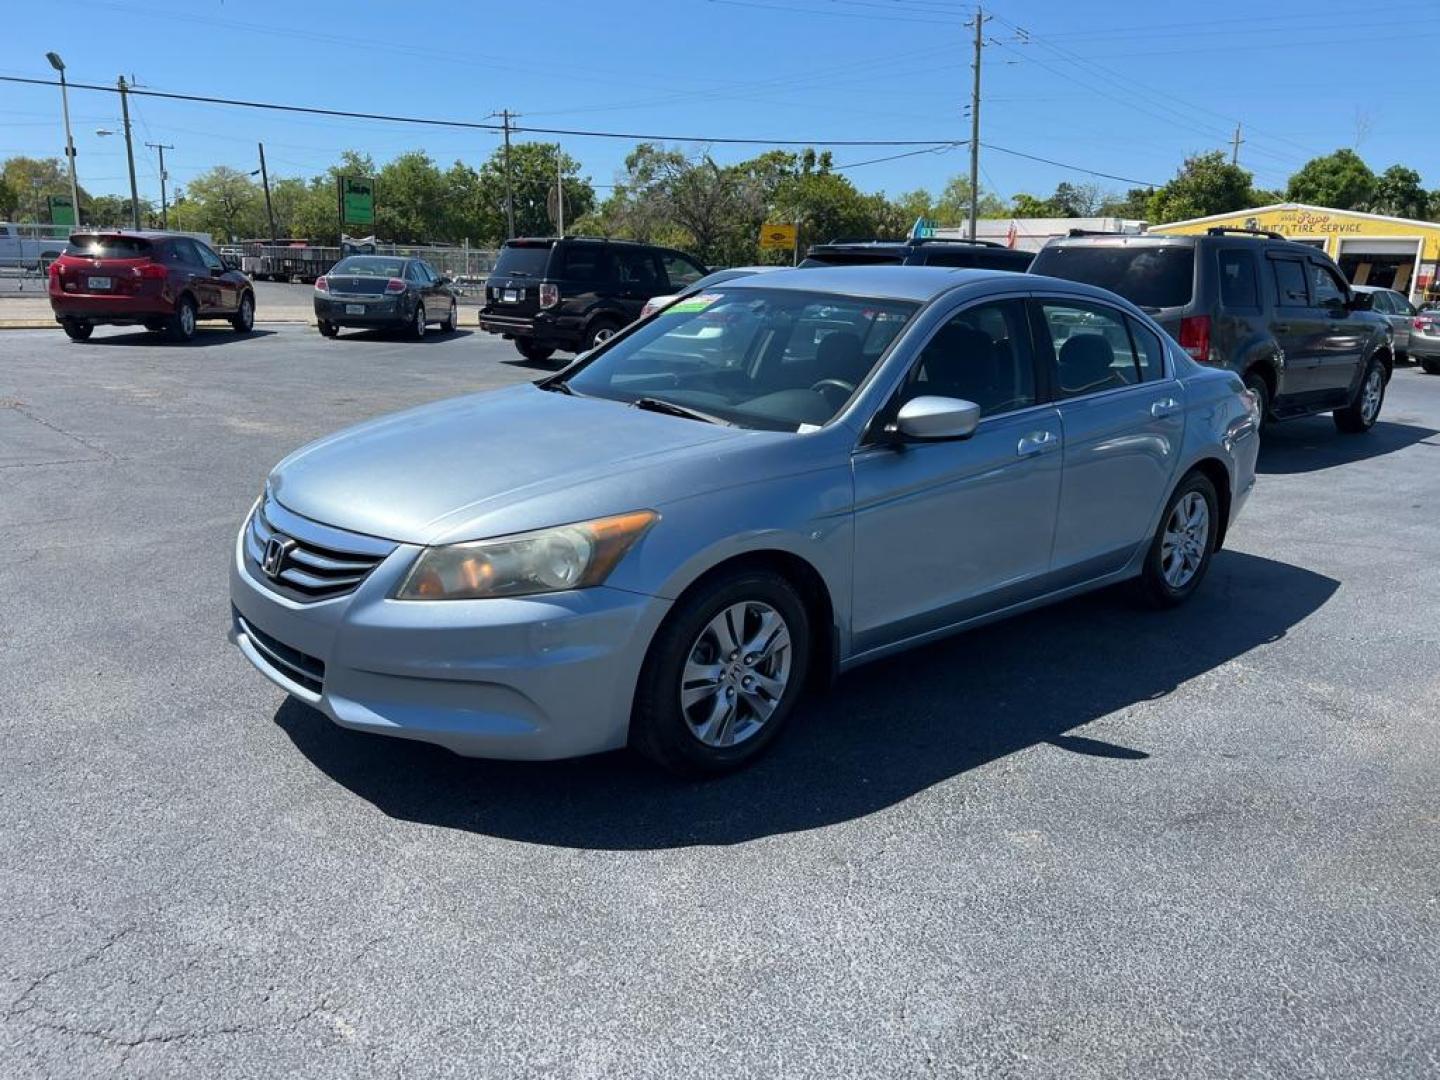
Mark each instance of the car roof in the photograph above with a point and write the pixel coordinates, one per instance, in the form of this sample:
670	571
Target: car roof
881	282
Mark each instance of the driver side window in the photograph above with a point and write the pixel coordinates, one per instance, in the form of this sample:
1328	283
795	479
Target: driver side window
982	355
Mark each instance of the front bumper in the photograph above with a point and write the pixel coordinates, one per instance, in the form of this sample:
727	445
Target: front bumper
533	678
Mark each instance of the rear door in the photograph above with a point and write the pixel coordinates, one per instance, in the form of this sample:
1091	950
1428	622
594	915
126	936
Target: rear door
639	276
225	292
1404	315
195	275
1123	419
1296	328
1340	347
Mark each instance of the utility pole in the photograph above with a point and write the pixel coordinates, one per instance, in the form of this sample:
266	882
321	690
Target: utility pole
59	65
265	183
1235	151
129	153
164	201
980	20
560	187
505	117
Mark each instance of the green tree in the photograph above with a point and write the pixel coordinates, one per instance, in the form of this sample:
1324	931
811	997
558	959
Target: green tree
1206	184
532	170
1028	206
952	209
1134	204
1398	192
8	200
410	205
1340	180
31	182
222	201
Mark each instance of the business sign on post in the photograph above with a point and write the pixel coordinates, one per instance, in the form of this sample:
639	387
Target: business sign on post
62	211
357	200
777	237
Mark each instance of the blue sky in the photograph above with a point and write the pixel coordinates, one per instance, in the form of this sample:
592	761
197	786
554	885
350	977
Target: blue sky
1121	87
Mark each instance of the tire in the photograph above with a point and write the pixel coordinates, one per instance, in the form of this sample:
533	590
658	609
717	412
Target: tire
601	331
244	320
1360	415
1256	382
1431	366
328	329
451	321
693	739
530	351
416	329
77	331
156	326
181	328
1184	544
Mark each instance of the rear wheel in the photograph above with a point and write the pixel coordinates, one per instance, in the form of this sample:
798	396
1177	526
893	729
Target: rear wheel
1360	415
1180	554
417	325
244	320
531	351
1256	383
451	320
723	674
600	332
328	329
1431	366
182	326
78	331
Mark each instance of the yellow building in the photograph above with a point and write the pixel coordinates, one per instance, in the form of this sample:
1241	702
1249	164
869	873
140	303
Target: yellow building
1371	249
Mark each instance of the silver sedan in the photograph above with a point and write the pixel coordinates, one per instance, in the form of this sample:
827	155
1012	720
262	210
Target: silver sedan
665	544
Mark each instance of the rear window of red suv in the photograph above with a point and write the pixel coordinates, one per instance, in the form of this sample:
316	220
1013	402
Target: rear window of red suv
108	247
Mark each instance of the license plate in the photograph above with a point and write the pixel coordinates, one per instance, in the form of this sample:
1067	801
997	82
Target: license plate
354	309
98	282
510	296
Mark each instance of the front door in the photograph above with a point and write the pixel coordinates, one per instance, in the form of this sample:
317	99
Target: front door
1341	344
945	531
1123	419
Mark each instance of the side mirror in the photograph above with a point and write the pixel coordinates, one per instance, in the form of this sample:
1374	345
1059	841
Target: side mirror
924	419
230	261
442	280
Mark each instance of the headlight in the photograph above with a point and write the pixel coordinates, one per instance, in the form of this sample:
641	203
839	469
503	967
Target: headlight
547	560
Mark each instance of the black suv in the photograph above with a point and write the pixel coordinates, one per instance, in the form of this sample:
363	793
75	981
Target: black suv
1276	312
573	293
929	251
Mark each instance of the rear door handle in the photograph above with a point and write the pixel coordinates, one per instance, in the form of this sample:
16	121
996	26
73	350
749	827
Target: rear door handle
1164	407
1037	442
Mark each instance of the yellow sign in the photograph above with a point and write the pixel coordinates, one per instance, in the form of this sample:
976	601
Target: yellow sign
777	237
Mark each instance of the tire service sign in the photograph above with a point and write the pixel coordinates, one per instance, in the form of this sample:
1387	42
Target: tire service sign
357	200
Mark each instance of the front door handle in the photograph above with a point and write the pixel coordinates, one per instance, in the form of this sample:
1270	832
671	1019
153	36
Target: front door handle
1037	442
1164	407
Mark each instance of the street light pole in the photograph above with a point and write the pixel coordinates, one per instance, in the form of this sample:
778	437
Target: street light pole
59	65
164	203
129	154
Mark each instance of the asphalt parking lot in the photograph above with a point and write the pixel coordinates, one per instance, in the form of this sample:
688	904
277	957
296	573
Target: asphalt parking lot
1090	842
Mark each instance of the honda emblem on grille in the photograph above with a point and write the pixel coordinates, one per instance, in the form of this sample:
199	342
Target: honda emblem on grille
276	548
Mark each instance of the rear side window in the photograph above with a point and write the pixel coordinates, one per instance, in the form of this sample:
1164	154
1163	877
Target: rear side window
1401	305
1093	352
585	262
108	247
1290	283
1238	285
1148	351
1148	275
637	267
523	261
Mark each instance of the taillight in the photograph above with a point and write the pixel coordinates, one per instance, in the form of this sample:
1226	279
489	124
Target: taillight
1418	324
1195	337
649	309
321	284
150	272
395	285
549	295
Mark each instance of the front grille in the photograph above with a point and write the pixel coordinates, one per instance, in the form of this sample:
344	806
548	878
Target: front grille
302	668
305	561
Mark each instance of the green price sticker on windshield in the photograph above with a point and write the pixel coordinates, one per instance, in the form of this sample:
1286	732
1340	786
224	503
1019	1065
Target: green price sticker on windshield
692	304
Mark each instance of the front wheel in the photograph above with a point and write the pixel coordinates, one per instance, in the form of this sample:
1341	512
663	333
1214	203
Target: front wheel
78	331
1184	544
1360	415
723	674
244	320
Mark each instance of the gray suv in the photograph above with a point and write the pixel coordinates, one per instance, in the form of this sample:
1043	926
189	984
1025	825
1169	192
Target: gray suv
1278	313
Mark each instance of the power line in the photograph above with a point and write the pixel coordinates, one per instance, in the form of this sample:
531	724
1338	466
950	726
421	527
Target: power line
1072	168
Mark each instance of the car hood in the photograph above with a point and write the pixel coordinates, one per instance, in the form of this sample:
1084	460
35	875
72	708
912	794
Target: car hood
491	463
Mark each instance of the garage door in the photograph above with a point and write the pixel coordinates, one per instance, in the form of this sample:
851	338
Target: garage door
1379	247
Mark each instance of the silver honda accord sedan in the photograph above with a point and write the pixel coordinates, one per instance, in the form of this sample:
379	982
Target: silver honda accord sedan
762	486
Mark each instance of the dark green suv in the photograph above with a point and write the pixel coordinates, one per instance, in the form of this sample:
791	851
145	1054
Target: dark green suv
1277	312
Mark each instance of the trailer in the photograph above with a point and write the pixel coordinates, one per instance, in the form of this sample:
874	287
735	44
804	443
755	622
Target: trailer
286	260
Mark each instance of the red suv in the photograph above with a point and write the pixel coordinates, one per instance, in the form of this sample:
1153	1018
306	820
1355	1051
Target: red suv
162	281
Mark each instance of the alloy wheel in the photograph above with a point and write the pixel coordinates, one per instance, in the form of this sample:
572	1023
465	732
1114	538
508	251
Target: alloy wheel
187	319
1371	395
1186	540
735	674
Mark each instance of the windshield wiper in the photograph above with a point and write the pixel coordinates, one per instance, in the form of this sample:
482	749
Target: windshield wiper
660	405
555	387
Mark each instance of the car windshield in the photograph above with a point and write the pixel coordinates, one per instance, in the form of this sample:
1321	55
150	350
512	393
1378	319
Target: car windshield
108	247
777	359
370	266
1148	275
523	260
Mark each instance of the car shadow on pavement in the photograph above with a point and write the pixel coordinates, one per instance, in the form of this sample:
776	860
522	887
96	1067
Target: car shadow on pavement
887	731
433	336
205	336
1313	444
